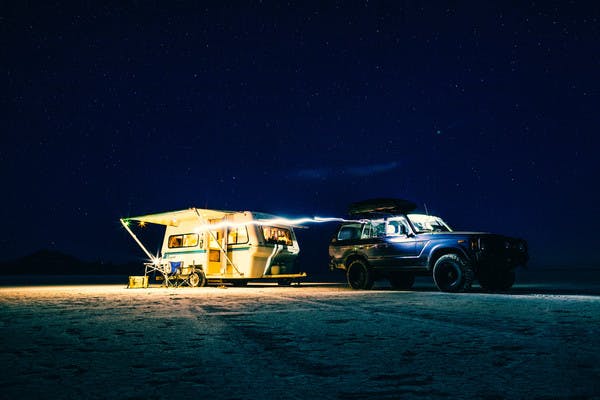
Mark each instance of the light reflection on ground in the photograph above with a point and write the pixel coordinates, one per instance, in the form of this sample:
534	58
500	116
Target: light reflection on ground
319	340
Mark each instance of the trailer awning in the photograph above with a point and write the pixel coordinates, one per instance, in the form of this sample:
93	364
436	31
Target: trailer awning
174	218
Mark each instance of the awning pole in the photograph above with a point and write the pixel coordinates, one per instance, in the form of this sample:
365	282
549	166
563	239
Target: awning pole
126	226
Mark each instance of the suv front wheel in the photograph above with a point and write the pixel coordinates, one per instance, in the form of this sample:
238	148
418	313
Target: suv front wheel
452	273
359	275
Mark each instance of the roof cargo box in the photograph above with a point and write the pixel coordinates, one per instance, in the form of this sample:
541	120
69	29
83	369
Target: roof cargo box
381	206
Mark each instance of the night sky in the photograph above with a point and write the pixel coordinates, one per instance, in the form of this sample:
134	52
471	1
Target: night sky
486	112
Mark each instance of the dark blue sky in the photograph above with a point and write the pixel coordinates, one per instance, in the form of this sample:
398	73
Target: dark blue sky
488	113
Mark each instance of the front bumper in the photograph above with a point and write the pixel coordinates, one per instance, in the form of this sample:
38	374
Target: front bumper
499	252
500	260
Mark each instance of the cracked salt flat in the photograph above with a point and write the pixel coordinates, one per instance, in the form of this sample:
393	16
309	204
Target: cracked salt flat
315	341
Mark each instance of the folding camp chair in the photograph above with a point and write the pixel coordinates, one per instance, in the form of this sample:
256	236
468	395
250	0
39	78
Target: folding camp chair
175	274
181	275
162	269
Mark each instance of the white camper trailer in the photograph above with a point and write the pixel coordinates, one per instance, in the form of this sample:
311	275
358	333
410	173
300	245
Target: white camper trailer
201	246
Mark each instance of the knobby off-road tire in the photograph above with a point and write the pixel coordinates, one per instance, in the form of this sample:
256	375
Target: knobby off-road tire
359	275
402	280
497	280
452	273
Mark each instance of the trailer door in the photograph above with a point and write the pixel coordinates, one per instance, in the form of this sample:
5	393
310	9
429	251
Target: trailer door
215	244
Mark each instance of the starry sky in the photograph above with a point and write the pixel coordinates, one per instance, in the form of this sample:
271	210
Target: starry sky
485	112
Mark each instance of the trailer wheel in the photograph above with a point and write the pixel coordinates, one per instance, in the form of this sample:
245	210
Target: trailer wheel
194	279
197	279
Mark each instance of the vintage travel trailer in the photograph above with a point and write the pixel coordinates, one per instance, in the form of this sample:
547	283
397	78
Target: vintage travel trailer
202	246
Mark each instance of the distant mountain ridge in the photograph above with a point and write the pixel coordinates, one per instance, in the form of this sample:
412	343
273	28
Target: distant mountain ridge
50	262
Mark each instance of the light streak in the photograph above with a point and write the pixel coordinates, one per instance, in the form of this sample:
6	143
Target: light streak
279	221
296	222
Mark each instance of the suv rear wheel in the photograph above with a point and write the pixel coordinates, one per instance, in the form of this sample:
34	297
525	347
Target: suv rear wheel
359	275
452	273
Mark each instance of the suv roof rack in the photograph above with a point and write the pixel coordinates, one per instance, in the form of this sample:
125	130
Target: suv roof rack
381	207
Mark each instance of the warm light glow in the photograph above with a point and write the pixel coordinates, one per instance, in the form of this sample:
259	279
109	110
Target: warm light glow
142	224
155	260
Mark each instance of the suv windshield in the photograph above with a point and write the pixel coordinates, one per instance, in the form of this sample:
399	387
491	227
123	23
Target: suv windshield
428	223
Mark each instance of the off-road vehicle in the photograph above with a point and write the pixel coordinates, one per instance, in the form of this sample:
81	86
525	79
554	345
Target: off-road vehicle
386	240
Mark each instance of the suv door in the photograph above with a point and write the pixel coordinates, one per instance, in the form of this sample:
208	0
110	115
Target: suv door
372	242
400	249
345	242
365	239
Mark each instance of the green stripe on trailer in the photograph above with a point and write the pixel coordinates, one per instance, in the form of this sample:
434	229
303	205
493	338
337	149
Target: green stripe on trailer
172	253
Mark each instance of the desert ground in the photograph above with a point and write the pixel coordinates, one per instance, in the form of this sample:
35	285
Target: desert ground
317	340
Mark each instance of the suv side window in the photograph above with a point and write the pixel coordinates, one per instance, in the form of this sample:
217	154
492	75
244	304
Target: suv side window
373	229
378	229
349	232
366	232
396	227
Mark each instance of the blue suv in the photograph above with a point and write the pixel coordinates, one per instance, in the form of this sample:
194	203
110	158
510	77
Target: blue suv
386	240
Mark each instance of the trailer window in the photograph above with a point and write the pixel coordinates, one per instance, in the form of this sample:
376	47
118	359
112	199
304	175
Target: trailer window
185	240
237	235
214	255
277	235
